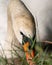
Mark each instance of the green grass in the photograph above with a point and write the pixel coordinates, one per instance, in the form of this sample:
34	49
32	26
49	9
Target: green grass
41	57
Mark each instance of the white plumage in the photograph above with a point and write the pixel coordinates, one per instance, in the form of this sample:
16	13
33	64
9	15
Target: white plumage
22	20
18	20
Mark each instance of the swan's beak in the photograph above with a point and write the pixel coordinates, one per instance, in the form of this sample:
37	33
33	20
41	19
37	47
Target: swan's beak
27	46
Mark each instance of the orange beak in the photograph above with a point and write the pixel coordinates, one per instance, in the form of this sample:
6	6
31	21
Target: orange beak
29	55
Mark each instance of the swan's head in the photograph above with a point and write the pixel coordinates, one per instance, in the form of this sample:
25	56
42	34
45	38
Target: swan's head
26	32
26	26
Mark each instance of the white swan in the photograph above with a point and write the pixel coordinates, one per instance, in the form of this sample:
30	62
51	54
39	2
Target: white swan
19	20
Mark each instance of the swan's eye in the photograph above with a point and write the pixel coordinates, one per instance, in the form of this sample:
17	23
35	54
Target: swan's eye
25	39
21	33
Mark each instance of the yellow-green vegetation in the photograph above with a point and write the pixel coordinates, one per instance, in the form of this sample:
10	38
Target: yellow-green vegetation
42	57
